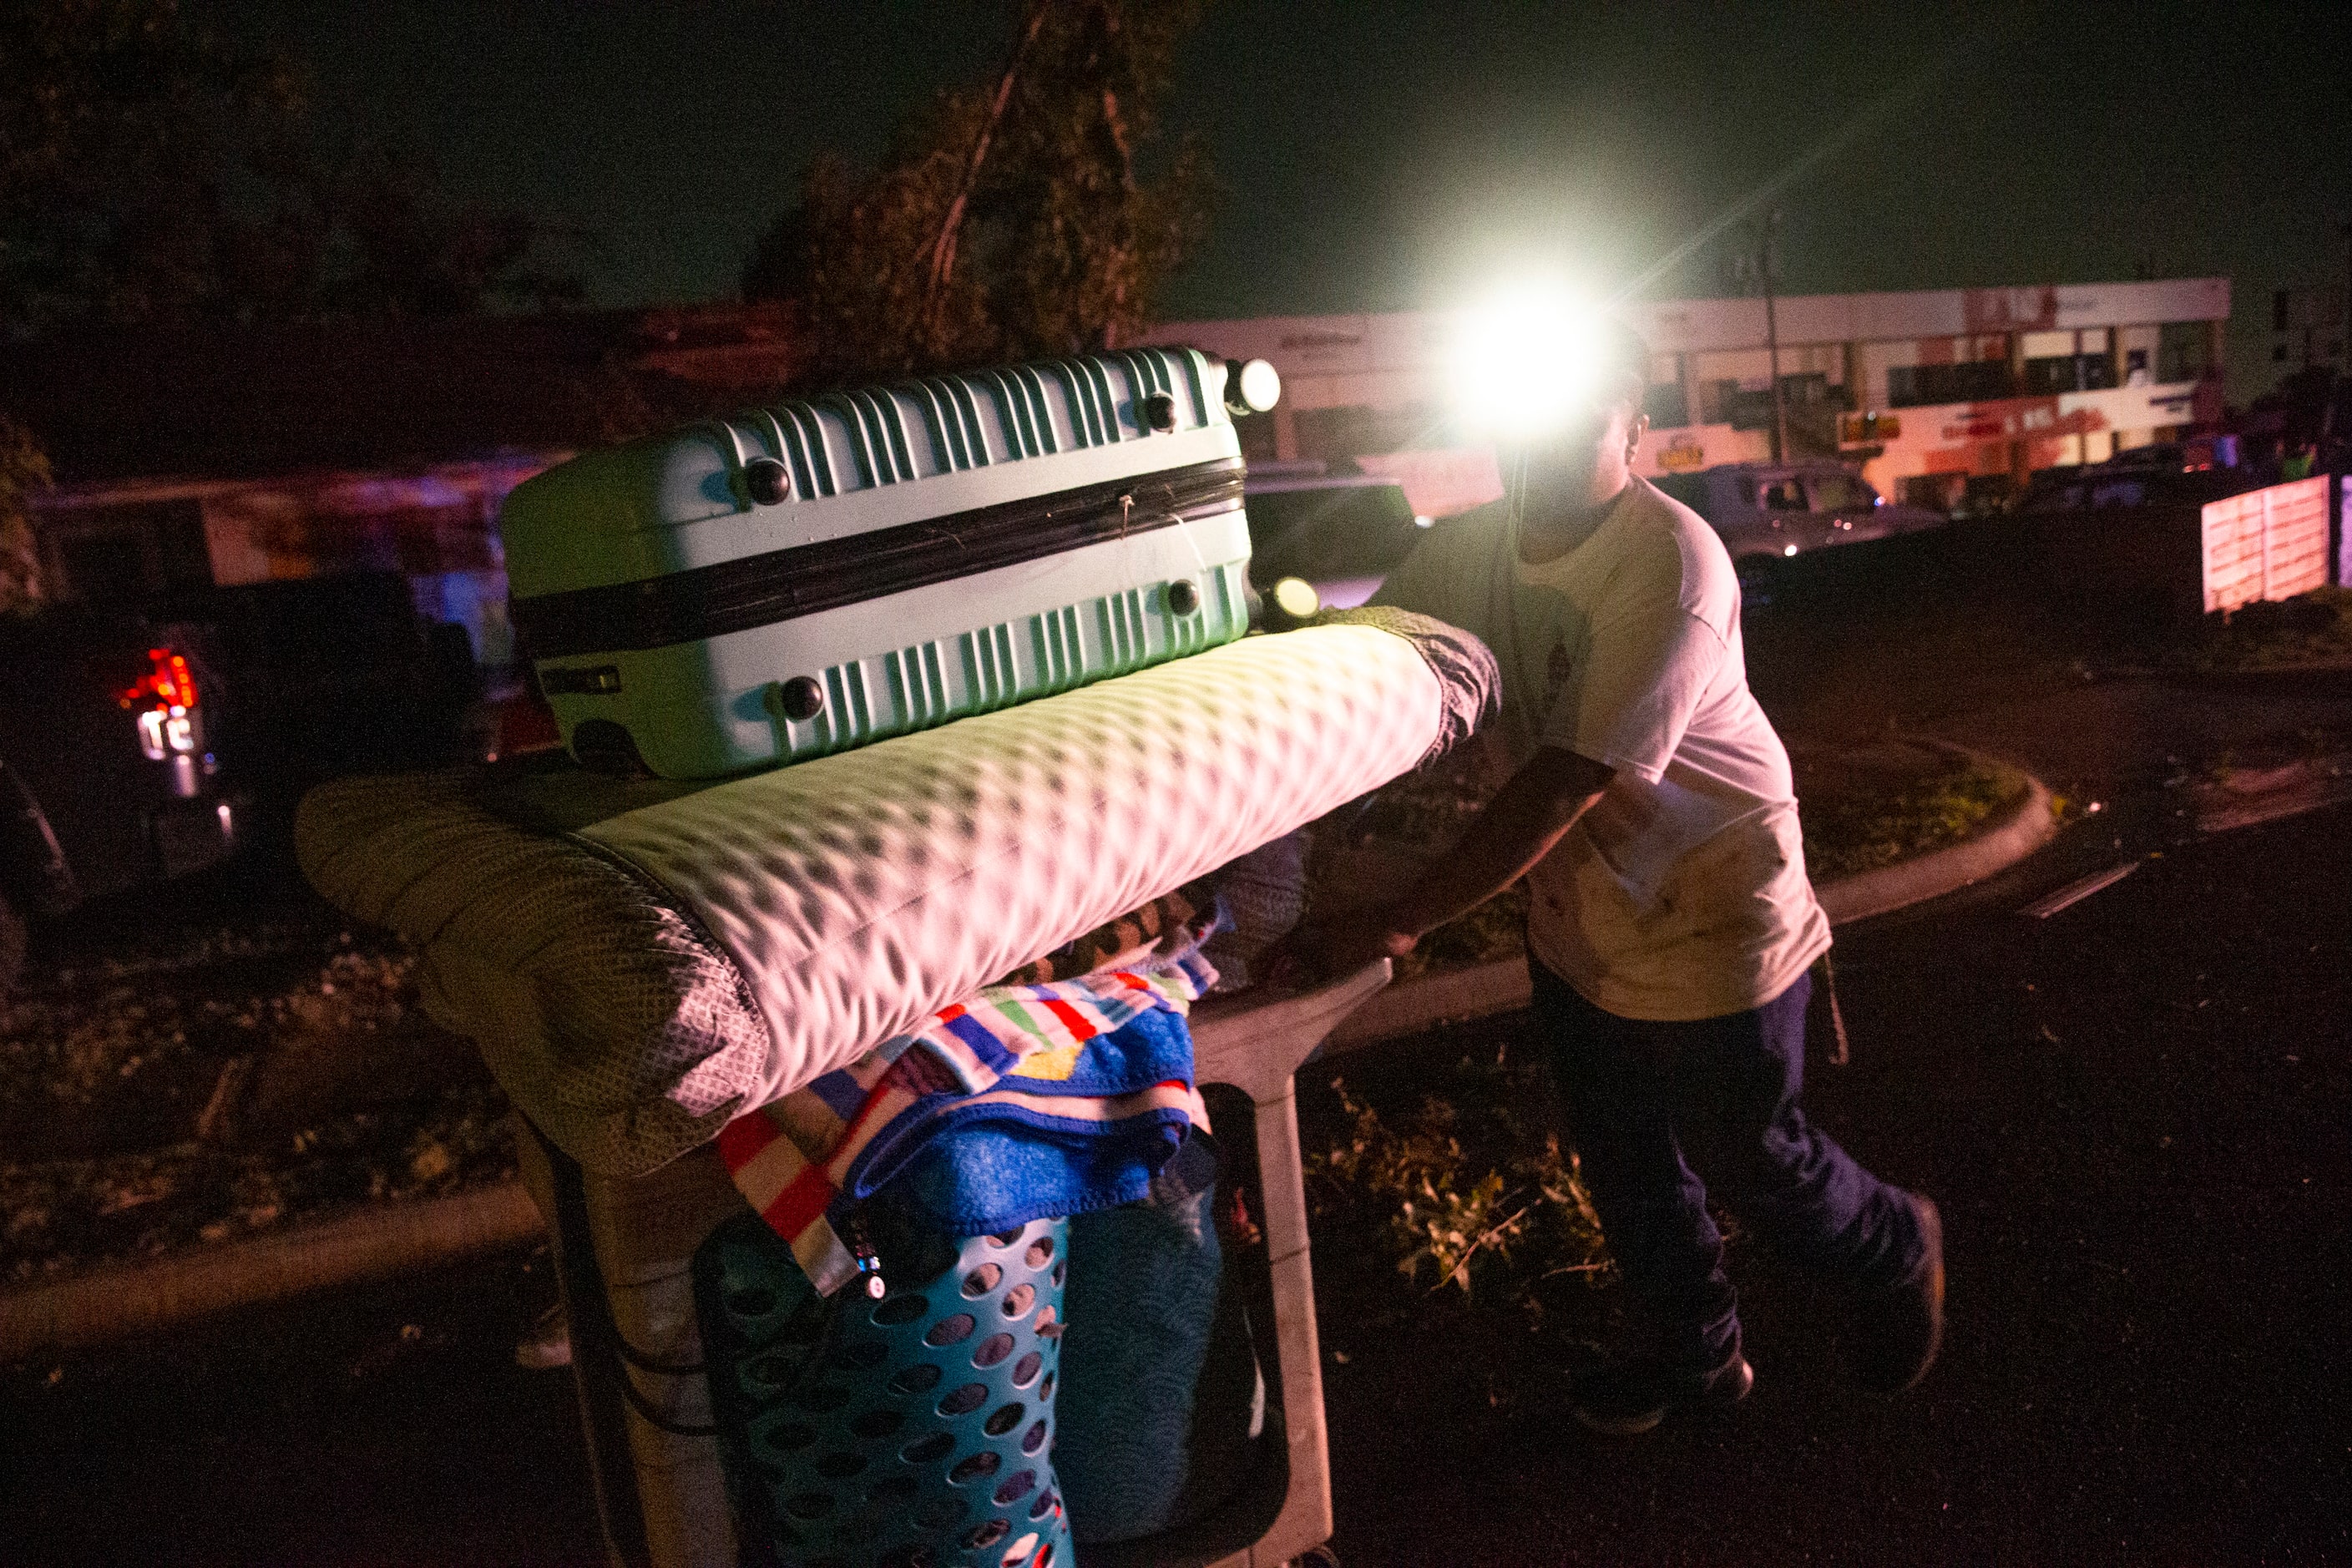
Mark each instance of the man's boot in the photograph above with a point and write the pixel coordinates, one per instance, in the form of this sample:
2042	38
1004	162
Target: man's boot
1626	1398
1897	1330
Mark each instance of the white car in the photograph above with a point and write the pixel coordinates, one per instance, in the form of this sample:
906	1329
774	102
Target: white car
1767	510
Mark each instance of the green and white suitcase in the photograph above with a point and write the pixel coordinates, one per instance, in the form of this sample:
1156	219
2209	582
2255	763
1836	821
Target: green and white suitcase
803	579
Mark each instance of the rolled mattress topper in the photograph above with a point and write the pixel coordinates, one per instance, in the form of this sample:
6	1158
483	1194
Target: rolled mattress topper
642	961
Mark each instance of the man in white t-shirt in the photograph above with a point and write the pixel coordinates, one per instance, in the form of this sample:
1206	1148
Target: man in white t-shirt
1669	919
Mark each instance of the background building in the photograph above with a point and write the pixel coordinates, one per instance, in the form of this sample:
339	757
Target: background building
1945	397
2308	329
235	457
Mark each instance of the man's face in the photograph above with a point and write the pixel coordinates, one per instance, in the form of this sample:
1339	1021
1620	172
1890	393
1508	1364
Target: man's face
1593	454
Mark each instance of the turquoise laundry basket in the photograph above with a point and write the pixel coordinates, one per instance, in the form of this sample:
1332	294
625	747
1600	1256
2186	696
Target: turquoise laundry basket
915	1431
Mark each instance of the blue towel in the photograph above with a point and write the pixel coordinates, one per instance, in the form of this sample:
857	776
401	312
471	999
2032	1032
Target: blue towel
990	1164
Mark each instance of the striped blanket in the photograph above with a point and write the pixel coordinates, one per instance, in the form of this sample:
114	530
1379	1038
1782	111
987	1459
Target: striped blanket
1024	1102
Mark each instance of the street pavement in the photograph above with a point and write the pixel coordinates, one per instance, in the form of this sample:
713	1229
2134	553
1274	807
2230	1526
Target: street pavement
387	1425
2132	1114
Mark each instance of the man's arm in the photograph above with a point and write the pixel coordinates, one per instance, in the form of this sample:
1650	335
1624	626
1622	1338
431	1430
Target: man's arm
1518	827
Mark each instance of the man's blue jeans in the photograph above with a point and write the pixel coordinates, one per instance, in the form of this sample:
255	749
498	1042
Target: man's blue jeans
1648	1101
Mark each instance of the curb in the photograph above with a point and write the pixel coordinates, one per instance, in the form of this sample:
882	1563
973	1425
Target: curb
1458	994
2246	674
2030	824
127	1299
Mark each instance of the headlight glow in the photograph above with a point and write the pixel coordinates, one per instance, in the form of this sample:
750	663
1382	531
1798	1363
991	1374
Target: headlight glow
1251	387
1296	598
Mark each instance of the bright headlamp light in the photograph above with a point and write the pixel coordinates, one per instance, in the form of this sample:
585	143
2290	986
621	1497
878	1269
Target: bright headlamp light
1528	360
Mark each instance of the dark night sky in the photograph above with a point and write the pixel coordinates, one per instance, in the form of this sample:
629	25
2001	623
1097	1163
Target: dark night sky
1382	156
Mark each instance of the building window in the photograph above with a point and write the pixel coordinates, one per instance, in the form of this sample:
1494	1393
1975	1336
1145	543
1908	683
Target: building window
1751	408
1666	405
1938	492
1740	407
1922	385
1987	495
1810	389
2059	372
2068	372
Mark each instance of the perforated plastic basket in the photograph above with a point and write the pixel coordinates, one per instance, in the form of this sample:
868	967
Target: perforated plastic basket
912	1432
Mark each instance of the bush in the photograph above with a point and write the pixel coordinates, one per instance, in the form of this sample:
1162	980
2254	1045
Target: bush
1862	829
1469	1188
2309	628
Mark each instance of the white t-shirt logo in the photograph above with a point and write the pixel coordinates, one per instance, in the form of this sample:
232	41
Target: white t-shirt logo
1557	670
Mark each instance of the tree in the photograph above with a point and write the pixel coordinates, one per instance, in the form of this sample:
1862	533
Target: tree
114	116
396	245
148	174
1020	217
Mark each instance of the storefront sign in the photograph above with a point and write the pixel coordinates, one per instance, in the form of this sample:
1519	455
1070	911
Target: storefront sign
1977	429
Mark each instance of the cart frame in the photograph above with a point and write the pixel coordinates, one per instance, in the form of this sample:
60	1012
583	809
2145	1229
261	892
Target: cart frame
624	1249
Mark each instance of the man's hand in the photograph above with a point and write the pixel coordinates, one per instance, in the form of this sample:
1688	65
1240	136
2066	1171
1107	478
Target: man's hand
1518	827
1349	941
1531	813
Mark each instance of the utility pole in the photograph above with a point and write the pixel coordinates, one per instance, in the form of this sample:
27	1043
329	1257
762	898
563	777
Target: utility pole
1758	262
1768	264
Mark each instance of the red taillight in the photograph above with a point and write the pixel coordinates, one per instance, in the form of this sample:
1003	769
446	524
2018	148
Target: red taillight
168	682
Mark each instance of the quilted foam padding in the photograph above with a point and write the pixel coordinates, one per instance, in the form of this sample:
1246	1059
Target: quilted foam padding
614	1025
640	962
858	893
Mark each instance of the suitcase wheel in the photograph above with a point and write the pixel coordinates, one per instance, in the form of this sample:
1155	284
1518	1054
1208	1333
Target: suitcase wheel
602	746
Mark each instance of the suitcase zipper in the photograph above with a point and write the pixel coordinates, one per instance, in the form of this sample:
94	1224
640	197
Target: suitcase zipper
782	584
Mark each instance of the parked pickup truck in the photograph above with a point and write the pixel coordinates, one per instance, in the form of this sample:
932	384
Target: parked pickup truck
1766	510
110	774
2168	474
123	727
